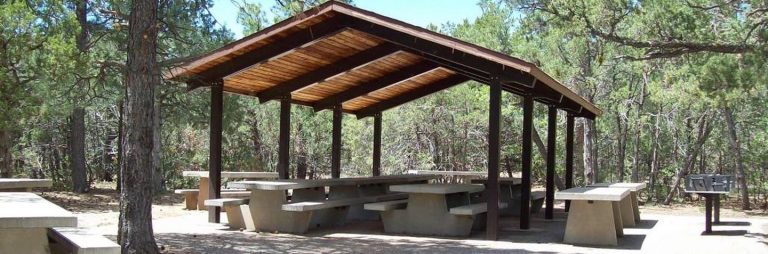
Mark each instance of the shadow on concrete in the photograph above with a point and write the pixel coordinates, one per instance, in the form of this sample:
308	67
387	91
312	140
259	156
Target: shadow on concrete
276	243
732	223
626	242
726	233
646	224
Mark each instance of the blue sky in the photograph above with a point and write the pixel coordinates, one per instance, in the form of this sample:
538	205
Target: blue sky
416	12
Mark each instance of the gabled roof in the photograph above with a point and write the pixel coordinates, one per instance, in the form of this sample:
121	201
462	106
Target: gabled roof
336	54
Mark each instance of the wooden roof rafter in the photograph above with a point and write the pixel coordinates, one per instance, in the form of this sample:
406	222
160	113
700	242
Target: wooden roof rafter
326	72
336	54
373	85
418	93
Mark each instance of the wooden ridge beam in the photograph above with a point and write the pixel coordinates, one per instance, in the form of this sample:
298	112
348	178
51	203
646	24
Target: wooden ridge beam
412	95
302	38
376	84
329	71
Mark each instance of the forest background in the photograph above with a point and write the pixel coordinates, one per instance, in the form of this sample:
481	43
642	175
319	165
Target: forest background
683	85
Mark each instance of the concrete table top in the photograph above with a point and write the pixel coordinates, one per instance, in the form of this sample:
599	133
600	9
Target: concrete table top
447	173
305	183
233	174
437	188
632	186
601	194
502	180
20	183
28	210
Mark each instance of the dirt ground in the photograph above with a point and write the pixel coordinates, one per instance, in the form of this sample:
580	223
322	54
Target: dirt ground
180	231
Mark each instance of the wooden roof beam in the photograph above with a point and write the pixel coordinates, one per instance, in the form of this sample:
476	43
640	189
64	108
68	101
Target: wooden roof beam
437	52
412	95
326	72
376	84
302	38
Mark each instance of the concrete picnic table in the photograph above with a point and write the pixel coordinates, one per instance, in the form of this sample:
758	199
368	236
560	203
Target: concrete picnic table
594	216
434	209
630	209
509	192
204	177
268	200
23	184
452	176
24	221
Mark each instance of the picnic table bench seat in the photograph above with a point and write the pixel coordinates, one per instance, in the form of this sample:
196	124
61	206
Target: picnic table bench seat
65	240
537	200
473	209
237	211
315	205
191	196
387	205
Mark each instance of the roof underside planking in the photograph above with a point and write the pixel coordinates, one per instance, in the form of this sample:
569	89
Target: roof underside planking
336	54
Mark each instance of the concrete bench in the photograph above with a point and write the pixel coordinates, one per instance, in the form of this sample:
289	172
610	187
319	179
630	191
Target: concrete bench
316	205
473	209
190	197
79	241
387	205
237	210
537	200
595	215
302	212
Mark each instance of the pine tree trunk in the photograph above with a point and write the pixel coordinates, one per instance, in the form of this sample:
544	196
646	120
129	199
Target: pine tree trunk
690	157
543	152
158	178
142	74
654	159
621	147
77	151
6	159
301	153
590	172
741	178
120	139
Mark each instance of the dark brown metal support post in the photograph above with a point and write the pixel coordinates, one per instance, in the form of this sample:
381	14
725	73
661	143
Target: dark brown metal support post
336	143
569	124
525	195
717	210
214	156
376	170
283	150
708	212
492	187
551	145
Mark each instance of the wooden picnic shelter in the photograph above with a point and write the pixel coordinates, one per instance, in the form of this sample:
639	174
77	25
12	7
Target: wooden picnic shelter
351	61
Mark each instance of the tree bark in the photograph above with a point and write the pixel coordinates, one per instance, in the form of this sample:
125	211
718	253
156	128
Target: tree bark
142	74
638	131
654	158
120	139
621	146
690	158
77	151
158	178
543	152
733	138
6	159
590	171
301	153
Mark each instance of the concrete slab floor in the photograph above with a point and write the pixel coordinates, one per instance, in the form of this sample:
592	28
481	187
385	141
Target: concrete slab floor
657	233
